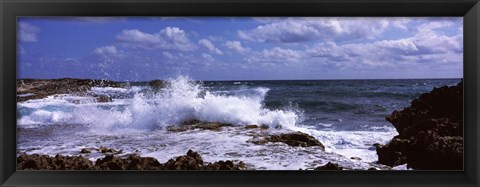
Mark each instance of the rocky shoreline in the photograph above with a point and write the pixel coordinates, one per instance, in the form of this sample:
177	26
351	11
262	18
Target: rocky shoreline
28	89
430	132
191	161
37	89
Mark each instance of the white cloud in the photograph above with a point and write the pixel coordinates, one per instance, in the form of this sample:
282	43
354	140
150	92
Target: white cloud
237	46
59	60
421	48
275	55
28	32
168	55
207	57
109	51
433	25
293	30
210	46
170	38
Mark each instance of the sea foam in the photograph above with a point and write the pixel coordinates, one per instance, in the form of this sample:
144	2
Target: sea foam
182	99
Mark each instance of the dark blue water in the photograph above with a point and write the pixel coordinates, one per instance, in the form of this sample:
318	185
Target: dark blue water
340	104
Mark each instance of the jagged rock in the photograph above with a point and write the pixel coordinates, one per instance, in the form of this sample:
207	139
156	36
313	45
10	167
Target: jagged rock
430	132
45	162
39	88
355	158
225	165
263	126
329	166
104	99
109	150
296	139
157	84
258	141
191	161
195	124
389	156
132	162
85	151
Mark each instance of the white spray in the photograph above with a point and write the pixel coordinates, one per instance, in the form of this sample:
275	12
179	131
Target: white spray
181	100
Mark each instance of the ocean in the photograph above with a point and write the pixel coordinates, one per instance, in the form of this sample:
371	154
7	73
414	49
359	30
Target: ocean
347	116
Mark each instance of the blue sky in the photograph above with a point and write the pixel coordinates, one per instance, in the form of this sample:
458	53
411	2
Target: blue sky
224	48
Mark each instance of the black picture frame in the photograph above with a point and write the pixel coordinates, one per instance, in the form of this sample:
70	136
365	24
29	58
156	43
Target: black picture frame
11	9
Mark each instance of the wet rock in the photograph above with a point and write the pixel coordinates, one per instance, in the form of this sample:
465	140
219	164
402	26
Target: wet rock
104	99
191	161
430	132
329	166
225	165
41	88
258	141
157	84
263	126
216	126
132	162
195	124
45	162
85	151
296	139
108	150
177	128
391	154
355	158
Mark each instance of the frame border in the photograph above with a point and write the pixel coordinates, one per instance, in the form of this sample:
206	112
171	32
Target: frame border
11	9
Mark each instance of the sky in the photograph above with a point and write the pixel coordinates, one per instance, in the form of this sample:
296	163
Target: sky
239	48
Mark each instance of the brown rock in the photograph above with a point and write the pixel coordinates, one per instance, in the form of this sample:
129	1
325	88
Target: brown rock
43	88
191	161
157	84
430	132
104	99
355	158
132	162
45	162
296	139
85	151
329	166
225	165
195	124
109	150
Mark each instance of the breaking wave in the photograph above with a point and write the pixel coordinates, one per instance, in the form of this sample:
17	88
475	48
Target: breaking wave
182	99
